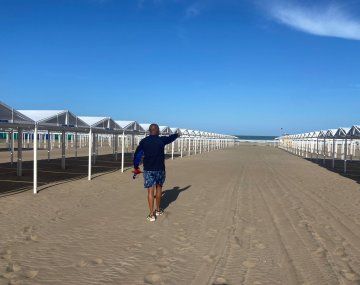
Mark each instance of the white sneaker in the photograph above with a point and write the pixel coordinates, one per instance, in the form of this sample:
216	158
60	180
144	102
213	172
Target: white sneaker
151	218
159	213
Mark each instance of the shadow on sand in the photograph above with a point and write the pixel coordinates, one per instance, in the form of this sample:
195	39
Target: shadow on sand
51	174
169	196
353	167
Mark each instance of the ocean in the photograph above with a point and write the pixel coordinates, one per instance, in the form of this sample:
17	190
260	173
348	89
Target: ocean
256	138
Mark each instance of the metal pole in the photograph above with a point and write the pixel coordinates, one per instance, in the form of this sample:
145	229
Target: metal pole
116	146
189	150
333	154
90	155
76	145
35	159
12	147
19	156
122	151
48	146
172	150
345	156
63	150
181	146
324	153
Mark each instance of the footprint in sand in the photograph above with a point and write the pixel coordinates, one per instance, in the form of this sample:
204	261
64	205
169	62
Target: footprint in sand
340	251
6	255
13	267
28	230
32	237
320	252
260	246
9	275
163	263
250	230
181	238
14	282
138	245
153	278
220	281
82	263
97	261
208	258
162	251
350	275
250	263
30	274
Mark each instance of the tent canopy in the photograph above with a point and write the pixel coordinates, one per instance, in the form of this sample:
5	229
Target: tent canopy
9	117
165	130
101	124
342	132
130	126
56	120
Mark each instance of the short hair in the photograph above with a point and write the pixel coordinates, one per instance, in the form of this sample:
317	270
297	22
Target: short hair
153	126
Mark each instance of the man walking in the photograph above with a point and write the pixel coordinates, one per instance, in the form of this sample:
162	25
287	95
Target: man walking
152	148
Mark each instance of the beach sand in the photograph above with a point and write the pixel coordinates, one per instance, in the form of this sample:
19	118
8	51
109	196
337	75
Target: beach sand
250	215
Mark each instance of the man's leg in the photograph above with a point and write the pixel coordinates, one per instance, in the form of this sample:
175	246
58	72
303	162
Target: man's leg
151	200
158	196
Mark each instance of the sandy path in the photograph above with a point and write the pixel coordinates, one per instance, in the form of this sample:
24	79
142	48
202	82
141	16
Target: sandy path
252	215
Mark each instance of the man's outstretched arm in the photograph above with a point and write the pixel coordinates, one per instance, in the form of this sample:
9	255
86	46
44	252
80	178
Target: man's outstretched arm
169	139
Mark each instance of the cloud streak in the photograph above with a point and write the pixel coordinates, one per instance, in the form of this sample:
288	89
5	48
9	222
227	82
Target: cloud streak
329	21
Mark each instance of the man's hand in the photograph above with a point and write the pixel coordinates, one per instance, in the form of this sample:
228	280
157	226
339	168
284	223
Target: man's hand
136	172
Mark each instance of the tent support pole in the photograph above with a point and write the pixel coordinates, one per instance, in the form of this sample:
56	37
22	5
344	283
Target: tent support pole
12	148
122	151
19	156
333	154
116	146
90	154
35	159
189	150
63	150
345	155
76	145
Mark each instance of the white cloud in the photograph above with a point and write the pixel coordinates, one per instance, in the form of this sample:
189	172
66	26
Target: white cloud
331	21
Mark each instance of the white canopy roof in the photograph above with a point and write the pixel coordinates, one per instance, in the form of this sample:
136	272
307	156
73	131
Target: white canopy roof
165	130
9	116
145	126
131	126
55	119
101	123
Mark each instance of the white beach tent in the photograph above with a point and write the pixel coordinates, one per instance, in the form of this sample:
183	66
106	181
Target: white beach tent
330	134
10	120
129	127
165	130
100	125
174	131
342	134
53	120
145	126
184	136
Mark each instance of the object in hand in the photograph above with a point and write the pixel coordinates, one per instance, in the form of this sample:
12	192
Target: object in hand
136	172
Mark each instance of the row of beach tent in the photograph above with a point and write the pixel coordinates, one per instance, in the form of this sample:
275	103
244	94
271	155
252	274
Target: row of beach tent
334	144
43	127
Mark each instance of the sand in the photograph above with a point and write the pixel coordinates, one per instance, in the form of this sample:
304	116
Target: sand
251	215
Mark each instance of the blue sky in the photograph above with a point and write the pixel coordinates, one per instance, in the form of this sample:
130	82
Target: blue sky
238	67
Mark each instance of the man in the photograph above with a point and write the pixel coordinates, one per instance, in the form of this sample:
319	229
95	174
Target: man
152	148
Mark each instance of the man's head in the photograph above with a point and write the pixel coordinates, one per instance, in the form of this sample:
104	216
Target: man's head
154	130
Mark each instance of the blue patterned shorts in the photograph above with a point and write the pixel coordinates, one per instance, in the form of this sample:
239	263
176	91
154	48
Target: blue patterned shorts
152	178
